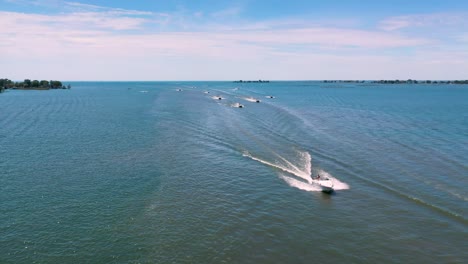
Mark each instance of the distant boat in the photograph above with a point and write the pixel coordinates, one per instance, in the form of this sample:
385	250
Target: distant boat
217	97
253	100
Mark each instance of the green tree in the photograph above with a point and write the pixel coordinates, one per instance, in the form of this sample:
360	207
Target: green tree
35	83
6	84
44	83
27	83
56	84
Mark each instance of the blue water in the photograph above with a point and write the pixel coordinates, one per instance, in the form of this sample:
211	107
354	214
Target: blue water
142	172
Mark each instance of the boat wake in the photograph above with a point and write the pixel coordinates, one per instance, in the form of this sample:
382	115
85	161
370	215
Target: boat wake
300	184
237	105
299	176
216	97
251	99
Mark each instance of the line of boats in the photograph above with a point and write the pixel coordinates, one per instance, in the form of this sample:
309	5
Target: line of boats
238	105
325	183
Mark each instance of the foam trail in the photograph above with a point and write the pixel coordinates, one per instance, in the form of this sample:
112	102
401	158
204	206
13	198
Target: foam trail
237	105
306	159
304	173
295	172
250	99
300	184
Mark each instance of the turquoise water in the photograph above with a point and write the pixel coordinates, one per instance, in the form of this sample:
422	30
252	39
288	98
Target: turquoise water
140	172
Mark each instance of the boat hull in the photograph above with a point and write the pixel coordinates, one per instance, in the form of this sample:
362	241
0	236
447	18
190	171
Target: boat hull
325	185
327	189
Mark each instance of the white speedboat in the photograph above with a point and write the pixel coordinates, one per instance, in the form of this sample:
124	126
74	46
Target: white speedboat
325	183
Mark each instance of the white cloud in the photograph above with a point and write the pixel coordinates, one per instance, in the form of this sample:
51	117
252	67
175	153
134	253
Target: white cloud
79	7
82	30
21	23
425	20
107	43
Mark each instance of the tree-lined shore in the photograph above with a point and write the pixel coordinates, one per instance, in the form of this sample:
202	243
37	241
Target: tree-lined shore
28	84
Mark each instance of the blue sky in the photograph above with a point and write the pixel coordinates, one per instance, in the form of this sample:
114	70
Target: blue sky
229	40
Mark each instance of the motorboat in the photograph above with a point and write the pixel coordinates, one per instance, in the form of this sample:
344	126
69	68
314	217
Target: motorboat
325	183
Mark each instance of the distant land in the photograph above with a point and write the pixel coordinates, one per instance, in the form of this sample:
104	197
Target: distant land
409	81
256	81
27	84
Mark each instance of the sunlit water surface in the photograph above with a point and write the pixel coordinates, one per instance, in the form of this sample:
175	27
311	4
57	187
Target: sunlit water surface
169	173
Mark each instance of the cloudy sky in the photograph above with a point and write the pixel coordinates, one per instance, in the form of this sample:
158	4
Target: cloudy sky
229	40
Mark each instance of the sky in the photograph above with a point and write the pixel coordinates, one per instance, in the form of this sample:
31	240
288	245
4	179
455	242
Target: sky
155	40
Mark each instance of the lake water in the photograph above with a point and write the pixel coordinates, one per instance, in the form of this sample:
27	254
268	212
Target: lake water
164	172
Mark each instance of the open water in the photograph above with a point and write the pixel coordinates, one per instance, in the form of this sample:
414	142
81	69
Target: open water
165	172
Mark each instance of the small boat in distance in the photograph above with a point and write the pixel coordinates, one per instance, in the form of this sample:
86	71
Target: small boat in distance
238	105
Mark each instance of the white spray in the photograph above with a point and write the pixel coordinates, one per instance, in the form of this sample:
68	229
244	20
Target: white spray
303	171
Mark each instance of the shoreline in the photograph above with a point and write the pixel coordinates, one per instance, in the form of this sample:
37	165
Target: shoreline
409	81
29	84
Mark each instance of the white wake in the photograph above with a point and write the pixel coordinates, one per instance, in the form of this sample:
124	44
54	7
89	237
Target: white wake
251	99
302	172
